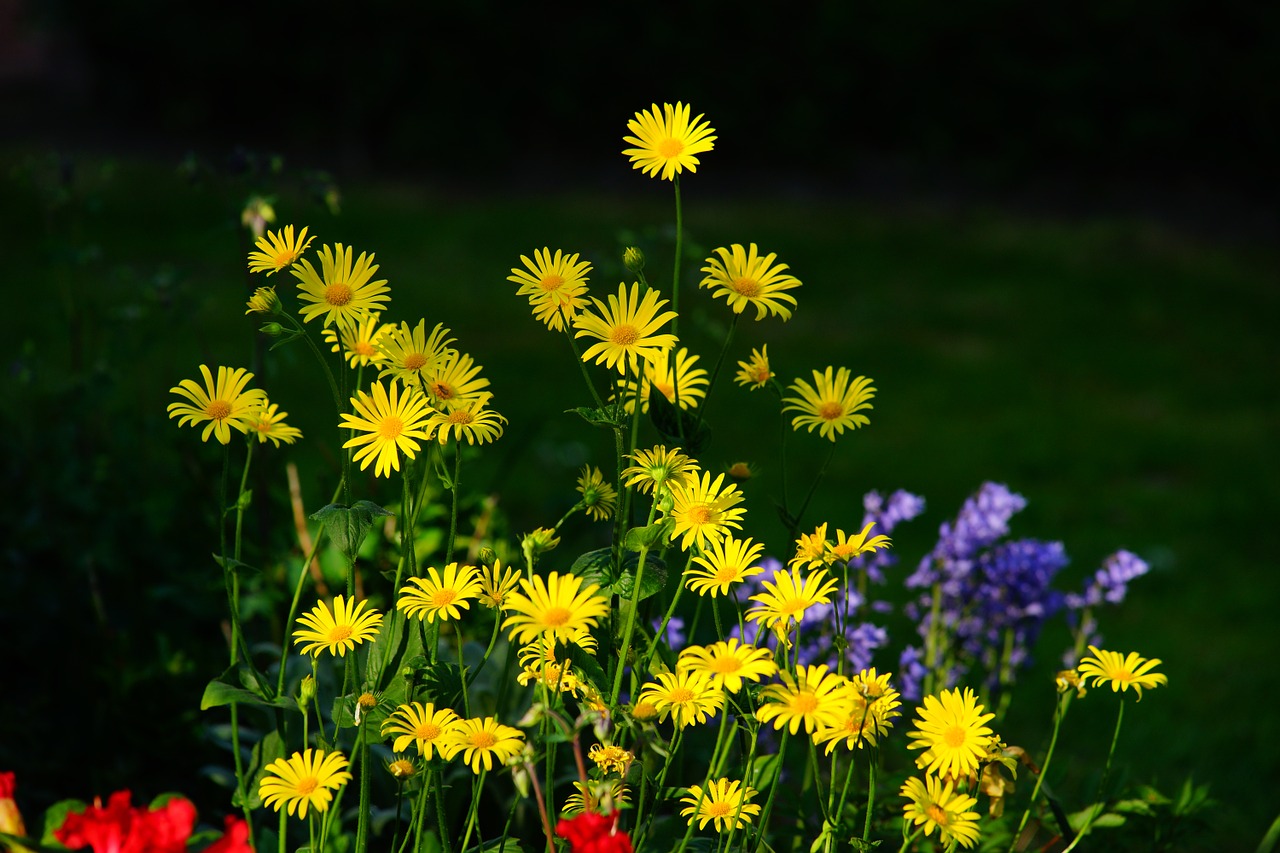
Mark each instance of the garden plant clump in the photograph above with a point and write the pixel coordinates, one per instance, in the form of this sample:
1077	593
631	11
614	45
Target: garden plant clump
705	680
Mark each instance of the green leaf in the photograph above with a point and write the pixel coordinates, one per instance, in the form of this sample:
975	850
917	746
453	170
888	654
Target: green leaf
649	537
613	417
236	566
347	526
595	567
443	682
56	815
653	581
227	688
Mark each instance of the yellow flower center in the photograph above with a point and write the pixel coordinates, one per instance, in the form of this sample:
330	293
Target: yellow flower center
307	785
725	665
556	617
759	374
805	703
338	633
954	737
218	409
680	695
400	768
391	427
716	809
937	814
364	348
550	282
625	335
427	731
747	287
669	148
460	417
443	597
1122	675
830	411
668	391
441	390
483	739
740	470
791	606
367	700
727	574
263	426
337	294
414	360
700	514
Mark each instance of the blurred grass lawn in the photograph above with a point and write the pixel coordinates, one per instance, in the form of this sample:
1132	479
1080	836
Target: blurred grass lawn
1118	374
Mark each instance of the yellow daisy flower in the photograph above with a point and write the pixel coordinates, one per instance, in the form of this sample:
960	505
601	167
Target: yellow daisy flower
611	758
873	706
339	631
305	779
496	583
626	330
556	286
277	250
358	340
728	663
812	549
688	697
556	609
744	278
814	698
403	352
1121	672
667	143
420	725
952	732
344	291
469	420
269	423
846	548
755	371
443	595
481	740
598	497
831	404
933	804
724	805
602	797
723	563
702	511
742	471
556	676
666	377
658	467
454	381
224	404
788	596
265	300
388	425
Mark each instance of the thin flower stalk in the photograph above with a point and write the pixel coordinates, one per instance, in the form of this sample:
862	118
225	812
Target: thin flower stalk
1096	811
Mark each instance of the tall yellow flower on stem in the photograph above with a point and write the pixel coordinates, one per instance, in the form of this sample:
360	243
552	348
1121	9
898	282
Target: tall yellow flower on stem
857	544
689	697
481	740
723	563
669	376
702	511
304	780
555	609
953	733
933	804
755	371
422	725
268	424
667	142
404	351
725	805
788	596
337	631
658	467
471	420
343	290
388	424
830	404
728	663
277	250
598	497
454	381
745	278
222	405
626	329
1120	671
873	706
814	698
496	584
440	595
556	286
358	340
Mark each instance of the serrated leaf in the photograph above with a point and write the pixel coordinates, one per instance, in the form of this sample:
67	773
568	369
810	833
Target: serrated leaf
613	417
594	567
443	681
347	526
649	537
227	688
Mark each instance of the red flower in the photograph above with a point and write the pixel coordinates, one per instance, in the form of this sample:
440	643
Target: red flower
234	840
593	833
10	817
120	828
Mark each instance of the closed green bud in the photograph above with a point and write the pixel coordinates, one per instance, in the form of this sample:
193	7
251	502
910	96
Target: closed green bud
633	259
275	330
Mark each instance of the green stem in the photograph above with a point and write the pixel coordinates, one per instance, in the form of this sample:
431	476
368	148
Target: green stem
441	818
715	372
582	365
675	274
453	509
1059	713
1102	785
773	791
795	522
631	618
906	842
475	804
662	629
871	796
362	821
